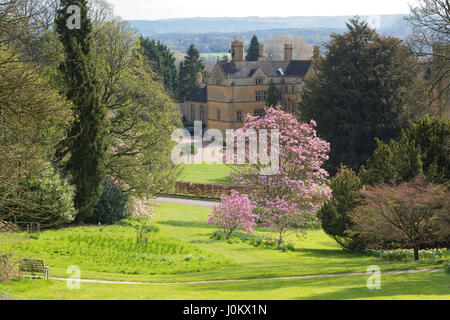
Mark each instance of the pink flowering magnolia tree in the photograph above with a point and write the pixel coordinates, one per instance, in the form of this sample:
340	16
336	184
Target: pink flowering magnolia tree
288	198
233	212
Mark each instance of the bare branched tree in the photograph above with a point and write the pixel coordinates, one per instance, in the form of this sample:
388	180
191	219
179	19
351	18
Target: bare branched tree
431	38
412	214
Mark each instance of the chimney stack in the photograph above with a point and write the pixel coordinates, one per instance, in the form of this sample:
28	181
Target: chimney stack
288	50
237	47
316	52
261	56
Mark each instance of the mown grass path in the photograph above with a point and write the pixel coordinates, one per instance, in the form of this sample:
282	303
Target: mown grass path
333	275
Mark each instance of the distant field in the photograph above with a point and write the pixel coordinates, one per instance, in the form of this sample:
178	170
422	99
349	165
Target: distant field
206	173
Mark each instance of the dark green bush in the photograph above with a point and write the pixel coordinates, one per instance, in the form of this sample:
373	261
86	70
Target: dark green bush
334	214
112	206
423	149
46	199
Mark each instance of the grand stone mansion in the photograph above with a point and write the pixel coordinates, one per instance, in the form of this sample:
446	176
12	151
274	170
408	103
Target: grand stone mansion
237	88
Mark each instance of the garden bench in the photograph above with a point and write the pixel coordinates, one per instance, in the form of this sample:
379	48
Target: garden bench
34	266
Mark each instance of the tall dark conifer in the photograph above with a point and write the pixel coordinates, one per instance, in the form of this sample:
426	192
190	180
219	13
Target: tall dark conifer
189	69
253	50
361	92
163	62
86	139
271	100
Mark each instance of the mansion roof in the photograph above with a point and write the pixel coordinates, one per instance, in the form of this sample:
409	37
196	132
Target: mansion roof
294	68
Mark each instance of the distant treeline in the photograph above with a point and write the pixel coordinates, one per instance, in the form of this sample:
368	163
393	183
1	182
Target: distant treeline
213	35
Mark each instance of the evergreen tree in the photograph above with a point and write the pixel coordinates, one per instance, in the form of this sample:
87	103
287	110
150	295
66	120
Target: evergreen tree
253	50
86	140
421	150
163	62
189	69
360	92
271	100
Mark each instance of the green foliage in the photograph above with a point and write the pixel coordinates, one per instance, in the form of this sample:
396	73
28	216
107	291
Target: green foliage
433	138
253	50
271	95
112	206
396	161
163	62
87	138
140	112
189	69
46	199
334	213
360	92
422	149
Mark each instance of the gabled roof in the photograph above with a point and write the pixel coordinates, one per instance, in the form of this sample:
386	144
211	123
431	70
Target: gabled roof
198	94
294	68
298	68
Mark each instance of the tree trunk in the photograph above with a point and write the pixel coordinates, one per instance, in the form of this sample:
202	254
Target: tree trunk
280	240
416	252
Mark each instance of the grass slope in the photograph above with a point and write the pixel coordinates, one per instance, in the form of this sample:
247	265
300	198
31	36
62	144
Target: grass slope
206	173
183	251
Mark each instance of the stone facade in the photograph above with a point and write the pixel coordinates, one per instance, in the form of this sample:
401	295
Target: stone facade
237	88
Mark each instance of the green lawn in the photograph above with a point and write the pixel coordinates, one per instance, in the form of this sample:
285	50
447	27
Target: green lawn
206	173
407	286
182	250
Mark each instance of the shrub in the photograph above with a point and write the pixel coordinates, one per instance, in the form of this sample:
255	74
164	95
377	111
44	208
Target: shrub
447	267
412	214
46	200
234	211
112	206
334	214
424	148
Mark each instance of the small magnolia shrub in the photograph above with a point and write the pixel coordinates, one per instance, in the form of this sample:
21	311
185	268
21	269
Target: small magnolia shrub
112	206
143	212
46	200
234	211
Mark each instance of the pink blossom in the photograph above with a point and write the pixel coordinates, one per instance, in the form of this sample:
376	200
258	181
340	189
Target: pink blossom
233	212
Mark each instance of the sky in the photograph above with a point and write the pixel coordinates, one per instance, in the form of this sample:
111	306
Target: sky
167	9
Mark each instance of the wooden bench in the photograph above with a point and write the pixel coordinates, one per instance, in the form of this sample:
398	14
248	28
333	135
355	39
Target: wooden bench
34	266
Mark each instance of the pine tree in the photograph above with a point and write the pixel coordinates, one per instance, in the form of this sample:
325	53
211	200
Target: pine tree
253	50
361	92
87	146
163	62
188	72
271	100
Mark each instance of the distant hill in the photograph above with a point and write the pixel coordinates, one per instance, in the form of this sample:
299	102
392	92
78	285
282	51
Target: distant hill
215	34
